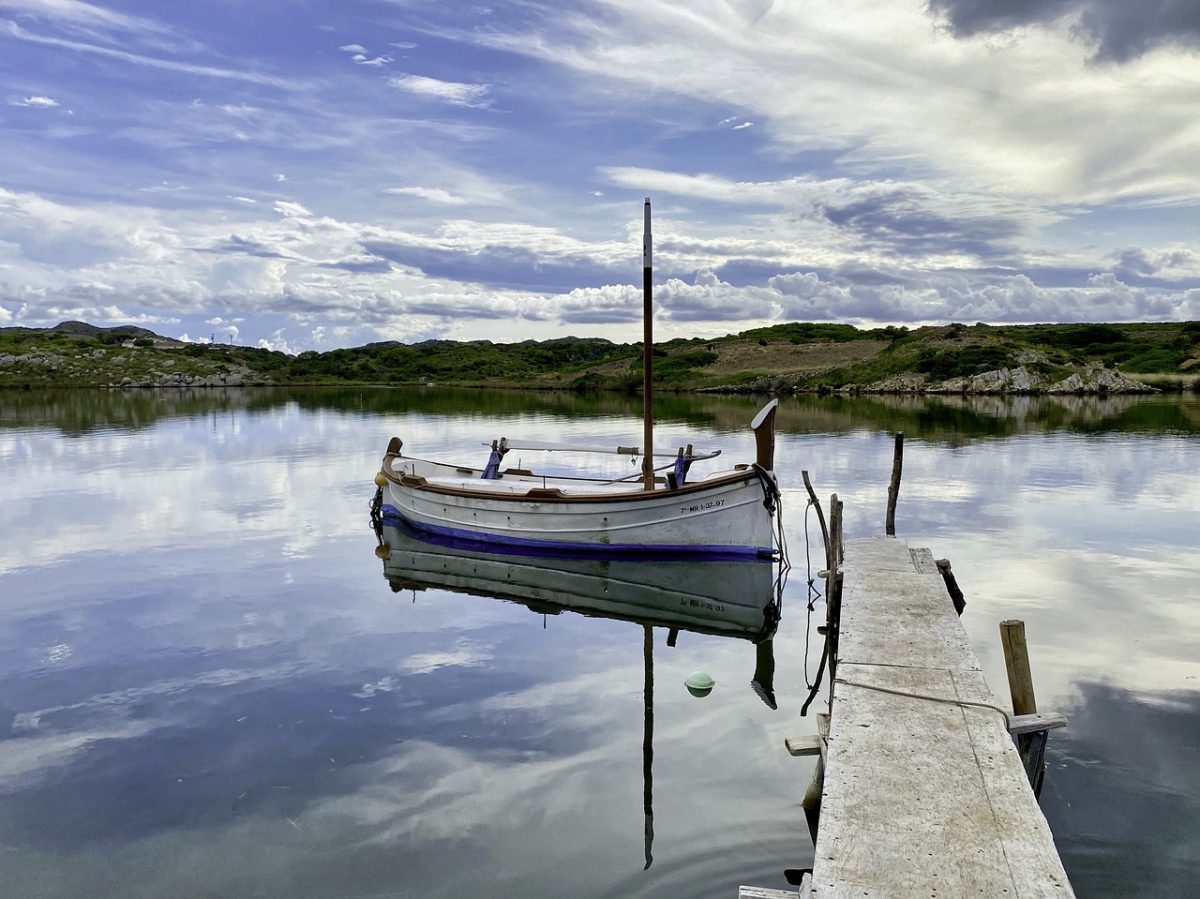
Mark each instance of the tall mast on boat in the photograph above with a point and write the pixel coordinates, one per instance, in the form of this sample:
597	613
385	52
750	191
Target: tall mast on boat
647	358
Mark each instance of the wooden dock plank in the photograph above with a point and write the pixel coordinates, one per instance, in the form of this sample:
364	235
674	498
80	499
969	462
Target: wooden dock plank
921	798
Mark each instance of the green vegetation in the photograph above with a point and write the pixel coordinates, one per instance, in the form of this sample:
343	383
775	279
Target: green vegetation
793	355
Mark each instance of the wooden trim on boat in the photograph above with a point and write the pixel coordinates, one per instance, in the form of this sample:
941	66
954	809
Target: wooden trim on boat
541	494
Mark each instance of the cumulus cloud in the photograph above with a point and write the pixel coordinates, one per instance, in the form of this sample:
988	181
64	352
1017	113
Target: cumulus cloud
1117	30
453	92
289	263
898	216
922	101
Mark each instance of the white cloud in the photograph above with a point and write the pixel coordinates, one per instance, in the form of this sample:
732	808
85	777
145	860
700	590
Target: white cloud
353	48
453	92
432	194
291	210
248	200
35	100
16	31
363	60
280	176
80	14
743	126
882	87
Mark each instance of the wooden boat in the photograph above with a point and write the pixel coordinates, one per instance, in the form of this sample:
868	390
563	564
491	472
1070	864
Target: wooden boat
731	513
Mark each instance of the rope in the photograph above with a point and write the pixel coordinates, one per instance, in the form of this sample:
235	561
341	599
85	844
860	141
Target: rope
943	699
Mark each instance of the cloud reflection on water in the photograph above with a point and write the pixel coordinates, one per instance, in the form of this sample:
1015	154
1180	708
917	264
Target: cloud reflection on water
246	707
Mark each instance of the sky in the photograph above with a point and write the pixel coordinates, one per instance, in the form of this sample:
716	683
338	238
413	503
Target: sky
311	174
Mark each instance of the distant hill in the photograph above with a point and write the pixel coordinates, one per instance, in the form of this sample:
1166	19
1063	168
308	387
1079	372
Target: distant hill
783	358
85	331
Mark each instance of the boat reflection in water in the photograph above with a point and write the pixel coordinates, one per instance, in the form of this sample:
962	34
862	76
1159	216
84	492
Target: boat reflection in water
739	599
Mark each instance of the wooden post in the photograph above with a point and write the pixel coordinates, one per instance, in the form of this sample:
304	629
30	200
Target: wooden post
812	799
894	486
833	589
1031	746
956	594
816	787
647	357
1016	660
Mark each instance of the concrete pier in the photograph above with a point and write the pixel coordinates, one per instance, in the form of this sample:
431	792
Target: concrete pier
924	792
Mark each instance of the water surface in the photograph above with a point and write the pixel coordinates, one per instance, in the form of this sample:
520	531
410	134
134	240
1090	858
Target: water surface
208	687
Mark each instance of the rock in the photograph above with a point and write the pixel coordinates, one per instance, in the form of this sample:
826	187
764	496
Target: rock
1002	380
1096	379
906	383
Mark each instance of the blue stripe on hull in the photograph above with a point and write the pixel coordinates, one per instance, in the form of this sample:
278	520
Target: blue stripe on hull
525	546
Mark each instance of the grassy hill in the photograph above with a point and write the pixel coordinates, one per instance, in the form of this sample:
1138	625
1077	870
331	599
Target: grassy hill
796	356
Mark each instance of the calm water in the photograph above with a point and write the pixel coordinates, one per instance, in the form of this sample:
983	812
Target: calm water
209	688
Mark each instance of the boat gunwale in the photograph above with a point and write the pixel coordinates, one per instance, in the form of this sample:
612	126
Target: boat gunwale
539	494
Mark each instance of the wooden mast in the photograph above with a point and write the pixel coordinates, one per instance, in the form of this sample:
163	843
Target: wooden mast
647	358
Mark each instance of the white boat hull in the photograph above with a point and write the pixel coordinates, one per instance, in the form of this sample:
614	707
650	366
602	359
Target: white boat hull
725	515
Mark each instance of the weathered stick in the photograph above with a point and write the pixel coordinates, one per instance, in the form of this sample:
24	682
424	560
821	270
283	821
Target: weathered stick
894	486
812	496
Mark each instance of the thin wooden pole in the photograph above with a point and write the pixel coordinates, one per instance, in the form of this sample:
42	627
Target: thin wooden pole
894	486
647	355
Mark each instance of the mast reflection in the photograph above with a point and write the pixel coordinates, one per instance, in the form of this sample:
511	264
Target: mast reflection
740	599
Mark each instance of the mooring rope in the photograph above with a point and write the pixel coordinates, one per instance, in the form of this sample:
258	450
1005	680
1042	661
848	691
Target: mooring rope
943	699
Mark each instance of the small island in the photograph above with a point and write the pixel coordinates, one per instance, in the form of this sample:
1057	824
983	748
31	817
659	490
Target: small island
796	357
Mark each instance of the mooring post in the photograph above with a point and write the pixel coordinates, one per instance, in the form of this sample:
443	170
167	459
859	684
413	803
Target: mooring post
1032	746
816	787
833	589
894	486
956	594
